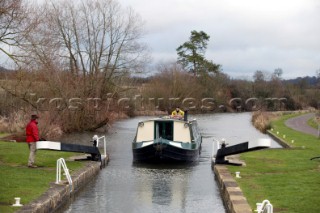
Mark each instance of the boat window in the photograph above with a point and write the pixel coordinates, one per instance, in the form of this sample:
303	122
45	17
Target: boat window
164	130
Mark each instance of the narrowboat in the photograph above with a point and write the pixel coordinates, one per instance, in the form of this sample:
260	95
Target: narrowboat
167	139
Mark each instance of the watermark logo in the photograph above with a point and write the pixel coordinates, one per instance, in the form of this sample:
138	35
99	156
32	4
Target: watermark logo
140	103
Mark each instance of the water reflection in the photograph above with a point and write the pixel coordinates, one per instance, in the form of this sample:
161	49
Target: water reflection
162	186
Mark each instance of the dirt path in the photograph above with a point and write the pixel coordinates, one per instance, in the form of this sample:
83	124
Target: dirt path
300	124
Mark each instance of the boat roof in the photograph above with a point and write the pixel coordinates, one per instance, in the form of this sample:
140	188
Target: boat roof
167	118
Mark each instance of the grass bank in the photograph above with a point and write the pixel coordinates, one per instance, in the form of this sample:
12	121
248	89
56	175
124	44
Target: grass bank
286	177
17	180
313	123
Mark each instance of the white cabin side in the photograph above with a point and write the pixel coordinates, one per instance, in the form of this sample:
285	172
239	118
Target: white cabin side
172	130
145	131
181	132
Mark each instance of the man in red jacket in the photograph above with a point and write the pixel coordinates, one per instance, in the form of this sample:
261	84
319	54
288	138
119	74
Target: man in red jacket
32	133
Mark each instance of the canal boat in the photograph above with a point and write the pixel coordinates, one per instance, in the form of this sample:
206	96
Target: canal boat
167	139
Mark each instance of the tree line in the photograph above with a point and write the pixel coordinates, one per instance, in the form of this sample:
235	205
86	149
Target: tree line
75	65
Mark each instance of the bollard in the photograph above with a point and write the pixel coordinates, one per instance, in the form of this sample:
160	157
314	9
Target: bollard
259	207
17	204
238	175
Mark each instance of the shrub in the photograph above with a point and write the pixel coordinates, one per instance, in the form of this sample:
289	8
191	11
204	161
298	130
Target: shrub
262	120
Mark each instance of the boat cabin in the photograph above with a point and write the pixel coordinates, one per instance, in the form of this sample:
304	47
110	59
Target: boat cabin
172	130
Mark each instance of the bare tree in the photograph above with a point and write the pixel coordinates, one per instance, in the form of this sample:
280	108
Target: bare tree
14	24
259	76
81	49
174	87
88	37
277	73
10	16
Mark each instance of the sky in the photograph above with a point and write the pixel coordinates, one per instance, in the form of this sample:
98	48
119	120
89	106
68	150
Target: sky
245	36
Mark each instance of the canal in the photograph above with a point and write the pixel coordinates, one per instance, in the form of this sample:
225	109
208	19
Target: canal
124	186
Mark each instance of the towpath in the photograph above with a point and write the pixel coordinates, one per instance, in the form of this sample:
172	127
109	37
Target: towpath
300	124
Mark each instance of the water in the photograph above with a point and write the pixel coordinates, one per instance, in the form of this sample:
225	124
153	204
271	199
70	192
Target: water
124	186
233	127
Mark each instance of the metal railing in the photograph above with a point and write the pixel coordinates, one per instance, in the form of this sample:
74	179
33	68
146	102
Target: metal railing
97	139
62	163
264	207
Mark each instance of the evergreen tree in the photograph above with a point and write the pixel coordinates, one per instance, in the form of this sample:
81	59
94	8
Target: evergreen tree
191	54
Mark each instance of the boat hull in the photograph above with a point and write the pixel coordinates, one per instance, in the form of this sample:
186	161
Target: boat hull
165	152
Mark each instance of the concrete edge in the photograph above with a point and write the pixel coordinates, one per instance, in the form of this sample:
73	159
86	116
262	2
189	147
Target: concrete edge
279	140
231	194
59	194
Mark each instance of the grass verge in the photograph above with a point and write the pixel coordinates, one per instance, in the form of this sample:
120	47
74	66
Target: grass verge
312	122
17	180
3	134
286	177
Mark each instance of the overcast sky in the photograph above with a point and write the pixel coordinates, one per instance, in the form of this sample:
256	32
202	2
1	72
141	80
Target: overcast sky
245	36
